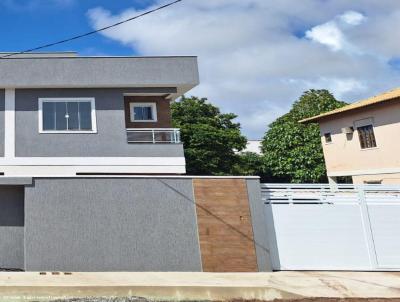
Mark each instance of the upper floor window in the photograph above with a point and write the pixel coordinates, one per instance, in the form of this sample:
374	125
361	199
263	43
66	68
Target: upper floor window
328	137
67	115
143	112
366	136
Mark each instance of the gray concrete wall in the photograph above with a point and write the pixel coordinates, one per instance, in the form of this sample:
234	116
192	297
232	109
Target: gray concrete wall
83	72
2	100
111	224
12	227
109	141
259	225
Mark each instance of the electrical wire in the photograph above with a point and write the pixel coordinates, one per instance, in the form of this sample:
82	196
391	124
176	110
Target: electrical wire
92	32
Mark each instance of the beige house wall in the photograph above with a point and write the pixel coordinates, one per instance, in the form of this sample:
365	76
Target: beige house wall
344	156
387	179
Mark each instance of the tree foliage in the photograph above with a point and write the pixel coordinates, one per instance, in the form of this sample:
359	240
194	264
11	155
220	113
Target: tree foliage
210	137
293	151
251	163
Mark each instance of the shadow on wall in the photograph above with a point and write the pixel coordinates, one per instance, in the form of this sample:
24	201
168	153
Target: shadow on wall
12	206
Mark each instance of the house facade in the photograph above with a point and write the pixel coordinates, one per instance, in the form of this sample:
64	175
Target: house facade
71	115
92	172
358	140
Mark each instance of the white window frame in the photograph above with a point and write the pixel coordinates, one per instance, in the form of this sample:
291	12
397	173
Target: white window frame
153	106
75	99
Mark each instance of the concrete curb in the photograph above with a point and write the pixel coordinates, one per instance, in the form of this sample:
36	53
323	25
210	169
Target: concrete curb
199	286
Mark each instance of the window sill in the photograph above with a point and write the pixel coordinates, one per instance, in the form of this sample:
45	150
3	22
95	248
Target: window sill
145	121
367	149
68	132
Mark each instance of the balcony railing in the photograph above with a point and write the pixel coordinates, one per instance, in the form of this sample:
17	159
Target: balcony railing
153	135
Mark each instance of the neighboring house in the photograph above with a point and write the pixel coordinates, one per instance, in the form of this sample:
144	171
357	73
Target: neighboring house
253	145
92	172
360	140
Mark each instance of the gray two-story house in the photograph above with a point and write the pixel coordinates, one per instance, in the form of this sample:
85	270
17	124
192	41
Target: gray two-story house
70	115
92	172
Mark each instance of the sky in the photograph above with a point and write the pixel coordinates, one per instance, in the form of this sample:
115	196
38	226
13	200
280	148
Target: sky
256	57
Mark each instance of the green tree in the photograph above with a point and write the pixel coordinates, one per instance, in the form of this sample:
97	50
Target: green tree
293	151
251	163
210	138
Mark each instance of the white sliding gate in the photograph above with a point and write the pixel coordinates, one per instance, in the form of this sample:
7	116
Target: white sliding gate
318	227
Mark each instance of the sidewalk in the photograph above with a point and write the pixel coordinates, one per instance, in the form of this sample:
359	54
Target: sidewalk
16	286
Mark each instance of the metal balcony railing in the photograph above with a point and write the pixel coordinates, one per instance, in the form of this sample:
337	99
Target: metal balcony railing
153	135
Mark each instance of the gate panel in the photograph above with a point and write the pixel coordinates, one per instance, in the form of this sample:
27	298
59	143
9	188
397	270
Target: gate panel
320	236
383	205
385	226
318	227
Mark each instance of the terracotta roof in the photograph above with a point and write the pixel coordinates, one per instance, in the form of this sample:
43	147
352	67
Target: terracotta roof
380	98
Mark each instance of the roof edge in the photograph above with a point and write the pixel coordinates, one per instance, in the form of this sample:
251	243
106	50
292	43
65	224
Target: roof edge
378	99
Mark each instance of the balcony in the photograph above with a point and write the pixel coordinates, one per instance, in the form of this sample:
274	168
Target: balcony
153	135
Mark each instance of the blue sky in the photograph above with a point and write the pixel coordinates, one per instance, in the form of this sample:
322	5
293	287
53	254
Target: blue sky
27	23
256	57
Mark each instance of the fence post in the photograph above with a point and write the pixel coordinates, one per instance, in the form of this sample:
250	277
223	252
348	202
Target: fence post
332	183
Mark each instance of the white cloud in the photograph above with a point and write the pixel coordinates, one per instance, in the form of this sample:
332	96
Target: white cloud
352	18
341	86
327	34
331	34
256	57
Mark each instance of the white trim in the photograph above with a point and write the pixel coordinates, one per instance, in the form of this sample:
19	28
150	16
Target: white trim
143	104
92	161
9	124
53	171
144	93
155	129
155	176
75	99
364	172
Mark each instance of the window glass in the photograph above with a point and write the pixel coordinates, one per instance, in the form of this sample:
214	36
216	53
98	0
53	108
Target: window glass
85	115
147	113
73	116
143	112
328	137
366	136
61	112
62	116
49	117
138	113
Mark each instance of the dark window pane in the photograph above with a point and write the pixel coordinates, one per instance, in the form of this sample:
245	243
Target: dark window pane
138	113
73	117
366	136
328	137
85	115
48	116
147	113
61	111
143	113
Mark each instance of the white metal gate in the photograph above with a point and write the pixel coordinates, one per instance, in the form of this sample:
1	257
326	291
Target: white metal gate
318	227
